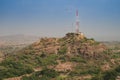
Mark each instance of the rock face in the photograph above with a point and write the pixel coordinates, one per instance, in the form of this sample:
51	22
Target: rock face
15	78
71	44
67	66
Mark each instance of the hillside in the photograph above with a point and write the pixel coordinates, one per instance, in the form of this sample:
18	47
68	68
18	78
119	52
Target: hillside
72	57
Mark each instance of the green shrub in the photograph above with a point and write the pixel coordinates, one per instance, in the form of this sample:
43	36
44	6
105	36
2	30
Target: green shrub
110	75
63	50
49	73
33	77
13	69
44	78
48	60
45	74
118	69
78	59
74	73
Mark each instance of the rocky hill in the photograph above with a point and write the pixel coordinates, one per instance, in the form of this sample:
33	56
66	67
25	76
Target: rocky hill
71	44
72	57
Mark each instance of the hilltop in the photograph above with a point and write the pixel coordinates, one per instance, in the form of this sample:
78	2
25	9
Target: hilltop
72	57
71	44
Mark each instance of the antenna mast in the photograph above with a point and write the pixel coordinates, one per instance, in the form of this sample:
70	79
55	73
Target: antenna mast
77	22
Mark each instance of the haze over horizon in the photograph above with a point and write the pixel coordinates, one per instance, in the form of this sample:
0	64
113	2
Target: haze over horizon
99	19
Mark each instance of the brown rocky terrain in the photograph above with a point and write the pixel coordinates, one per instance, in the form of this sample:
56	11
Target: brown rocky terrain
72	44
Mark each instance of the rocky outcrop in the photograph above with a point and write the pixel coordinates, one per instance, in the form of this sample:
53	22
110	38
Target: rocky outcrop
67	66
15	78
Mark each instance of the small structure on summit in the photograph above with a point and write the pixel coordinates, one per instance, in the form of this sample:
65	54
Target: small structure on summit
81	35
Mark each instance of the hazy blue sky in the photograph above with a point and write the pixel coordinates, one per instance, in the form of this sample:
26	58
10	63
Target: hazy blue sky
99	19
